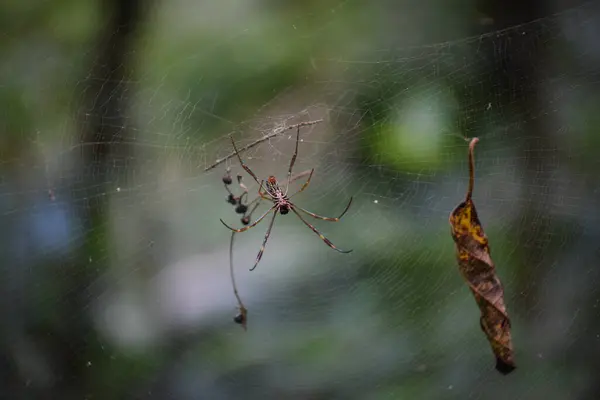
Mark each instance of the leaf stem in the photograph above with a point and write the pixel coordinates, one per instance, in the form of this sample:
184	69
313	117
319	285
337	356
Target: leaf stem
471	168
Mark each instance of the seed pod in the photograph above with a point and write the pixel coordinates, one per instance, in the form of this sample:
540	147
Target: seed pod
227	177
240	318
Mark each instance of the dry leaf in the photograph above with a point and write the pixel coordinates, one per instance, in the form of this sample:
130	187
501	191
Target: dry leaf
477	267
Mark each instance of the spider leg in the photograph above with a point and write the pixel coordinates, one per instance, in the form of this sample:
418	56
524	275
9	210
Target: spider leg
262	248
325	218
305	184
323	238
245	228
300	175
293	161
265	195
248	170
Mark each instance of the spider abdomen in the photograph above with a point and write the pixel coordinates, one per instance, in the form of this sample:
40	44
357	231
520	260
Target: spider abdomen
284	209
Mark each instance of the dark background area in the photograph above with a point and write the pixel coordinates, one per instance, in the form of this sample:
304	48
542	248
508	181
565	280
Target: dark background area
113	261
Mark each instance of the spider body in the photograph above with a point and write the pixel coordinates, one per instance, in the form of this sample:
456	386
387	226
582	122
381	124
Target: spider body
279	198
281	202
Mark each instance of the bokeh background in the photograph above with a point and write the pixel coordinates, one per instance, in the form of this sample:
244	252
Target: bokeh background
114	265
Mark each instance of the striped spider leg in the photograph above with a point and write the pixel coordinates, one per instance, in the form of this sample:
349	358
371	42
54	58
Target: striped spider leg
281	203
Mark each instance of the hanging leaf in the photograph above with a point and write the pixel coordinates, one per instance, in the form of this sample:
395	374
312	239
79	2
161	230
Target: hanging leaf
477	267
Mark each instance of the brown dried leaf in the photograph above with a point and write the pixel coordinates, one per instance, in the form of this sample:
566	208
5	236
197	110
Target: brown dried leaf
477	267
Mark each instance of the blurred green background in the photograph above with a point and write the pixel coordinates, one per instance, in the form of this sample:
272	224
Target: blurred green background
113	262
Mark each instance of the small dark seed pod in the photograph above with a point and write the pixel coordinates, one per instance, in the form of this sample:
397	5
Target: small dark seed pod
241	209
239	319
246	220
227	179
231	199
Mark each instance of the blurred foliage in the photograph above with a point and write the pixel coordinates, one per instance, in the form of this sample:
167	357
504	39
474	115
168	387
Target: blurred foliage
394	320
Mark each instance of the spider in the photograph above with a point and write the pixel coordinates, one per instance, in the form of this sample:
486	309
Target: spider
246	209
282	202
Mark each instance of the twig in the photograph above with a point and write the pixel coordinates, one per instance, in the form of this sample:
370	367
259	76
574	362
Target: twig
241	318
275	132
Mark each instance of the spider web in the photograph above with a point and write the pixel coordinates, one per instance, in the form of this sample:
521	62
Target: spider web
115	264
